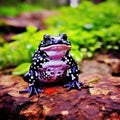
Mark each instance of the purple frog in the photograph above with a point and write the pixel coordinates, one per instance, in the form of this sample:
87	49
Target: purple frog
52	63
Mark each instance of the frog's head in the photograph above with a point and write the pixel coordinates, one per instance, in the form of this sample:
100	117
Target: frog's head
57	43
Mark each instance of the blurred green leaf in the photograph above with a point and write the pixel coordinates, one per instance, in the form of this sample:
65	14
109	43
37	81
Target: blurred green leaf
21	69
88	26
31	29
14	10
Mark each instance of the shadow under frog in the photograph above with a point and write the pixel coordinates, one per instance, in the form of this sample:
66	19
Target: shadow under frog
52	63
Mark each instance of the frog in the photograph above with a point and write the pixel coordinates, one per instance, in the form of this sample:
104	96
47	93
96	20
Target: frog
52	63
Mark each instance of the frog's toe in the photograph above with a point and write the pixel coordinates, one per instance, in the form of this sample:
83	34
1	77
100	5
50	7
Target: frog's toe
32	90
74	85
67	85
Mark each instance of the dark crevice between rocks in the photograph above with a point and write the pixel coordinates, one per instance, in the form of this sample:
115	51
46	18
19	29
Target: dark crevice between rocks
54	117
8	109
116	74
112	115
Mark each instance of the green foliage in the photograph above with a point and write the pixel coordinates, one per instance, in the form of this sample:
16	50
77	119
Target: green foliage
21	50
18	8
91	28
21	69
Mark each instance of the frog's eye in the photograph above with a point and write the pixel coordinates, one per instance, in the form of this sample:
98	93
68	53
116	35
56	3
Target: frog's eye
63	36
46	37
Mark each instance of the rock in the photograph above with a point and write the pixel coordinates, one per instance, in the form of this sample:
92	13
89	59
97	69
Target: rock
6	103
101	101
92	66
112	62
32	111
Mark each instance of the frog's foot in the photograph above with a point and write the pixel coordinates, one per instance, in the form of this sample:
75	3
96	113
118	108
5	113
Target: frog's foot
32	90
74	85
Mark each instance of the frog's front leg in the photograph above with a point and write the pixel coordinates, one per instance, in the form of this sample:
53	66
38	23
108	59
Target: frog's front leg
32	79
72	75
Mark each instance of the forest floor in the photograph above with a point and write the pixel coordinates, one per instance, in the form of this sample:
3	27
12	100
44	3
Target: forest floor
99	101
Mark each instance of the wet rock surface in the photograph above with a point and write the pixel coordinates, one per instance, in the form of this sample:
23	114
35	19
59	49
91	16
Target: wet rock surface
99	101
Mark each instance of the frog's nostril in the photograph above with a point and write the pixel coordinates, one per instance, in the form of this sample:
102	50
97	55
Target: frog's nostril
60	41
52	41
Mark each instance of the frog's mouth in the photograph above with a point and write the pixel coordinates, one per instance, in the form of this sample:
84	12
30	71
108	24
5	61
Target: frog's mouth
56	47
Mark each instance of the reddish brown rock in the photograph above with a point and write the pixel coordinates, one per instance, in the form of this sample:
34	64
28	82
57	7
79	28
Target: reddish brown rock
99	102
92	66
112	62
6	103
